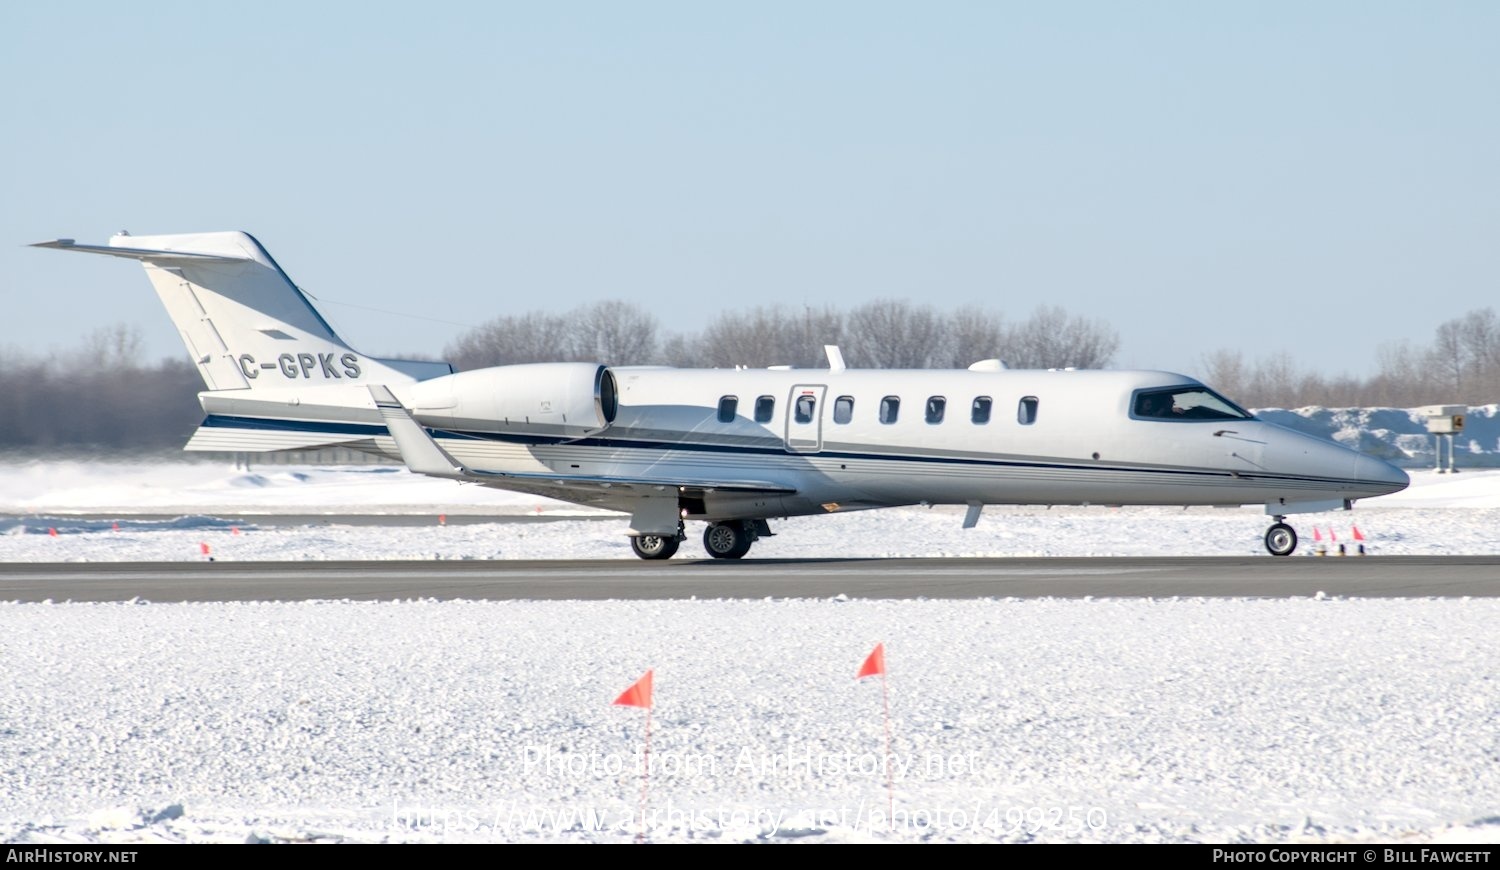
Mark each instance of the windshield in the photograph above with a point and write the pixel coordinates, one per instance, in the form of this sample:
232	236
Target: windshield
1186	403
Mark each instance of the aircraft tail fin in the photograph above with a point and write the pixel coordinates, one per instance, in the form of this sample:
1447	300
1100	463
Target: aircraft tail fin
244	322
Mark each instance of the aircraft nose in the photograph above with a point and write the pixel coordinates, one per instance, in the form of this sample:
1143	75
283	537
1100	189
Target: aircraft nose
1382	477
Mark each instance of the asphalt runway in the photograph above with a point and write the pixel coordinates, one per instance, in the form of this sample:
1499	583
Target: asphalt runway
1224	577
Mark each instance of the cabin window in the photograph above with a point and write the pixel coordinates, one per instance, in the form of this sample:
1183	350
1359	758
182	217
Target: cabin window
843	409
765	409
727	407
1026	412
890	408
1186	403
980	412
936	405
804	409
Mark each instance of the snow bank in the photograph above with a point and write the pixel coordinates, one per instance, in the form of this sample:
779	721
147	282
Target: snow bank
1395	434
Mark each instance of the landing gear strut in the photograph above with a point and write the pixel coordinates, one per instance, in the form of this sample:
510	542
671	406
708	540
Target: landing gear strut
1281	539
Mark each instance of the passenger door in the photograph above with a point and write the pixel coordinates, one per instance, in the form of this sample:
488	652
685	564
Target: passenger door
804	418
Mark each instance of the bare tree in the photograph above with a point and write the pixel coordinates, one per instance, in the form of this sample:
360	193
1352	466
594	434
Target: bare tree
533	337
974	333
1052	339
893	334
1225	371
1447	356
683	351
617	333
1479	334
113	346
760	337
1402	378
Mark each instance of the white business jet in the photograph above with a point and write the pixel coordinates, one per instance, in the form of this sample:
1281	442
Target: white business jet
731	448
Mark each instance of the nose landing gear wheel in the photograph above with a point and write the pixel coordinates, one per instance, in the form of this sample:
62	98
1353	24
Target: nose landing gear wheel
726	540
1281	540
654	546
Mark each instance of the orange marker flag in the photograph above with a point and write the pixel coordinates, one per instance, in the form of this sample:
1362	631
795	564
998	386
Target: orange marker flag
638	695
203	545
1317	535
874	663
874	666
1358	535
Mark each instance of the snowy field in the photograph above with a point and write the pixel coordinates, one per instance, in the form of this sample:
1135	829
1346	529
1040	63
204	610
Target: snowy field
1044	721
1285	720
168	512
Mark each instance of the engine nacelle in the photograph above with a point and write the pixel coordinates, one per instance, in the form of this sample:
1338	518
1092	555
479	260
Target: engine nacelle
568	400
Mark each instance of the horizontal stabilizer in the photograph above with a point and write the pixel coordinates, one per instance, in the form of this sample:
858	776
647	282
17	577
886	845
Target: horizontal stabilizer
139	253
214	437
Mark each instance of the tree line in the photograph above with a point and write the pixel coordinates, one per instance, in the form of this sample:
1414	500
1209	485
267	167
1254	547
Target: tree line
98	395
101	396
1461	365
881	334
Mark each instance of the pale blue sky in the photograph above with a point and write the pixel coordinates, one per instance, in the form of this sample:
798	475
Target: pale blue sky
1310	177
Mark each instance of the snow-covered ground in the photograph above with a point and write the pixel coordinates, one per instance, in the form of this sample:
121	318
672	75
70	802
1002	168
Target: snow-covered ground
1053	721
125	512
1290	720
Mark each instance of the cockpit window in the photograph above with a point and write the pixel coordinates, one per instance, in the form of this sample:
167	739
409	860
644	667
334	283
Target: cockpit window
1186	403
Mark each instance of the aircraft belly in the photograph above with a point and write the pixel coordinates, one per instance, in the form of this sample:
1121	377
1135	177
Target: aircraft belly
1041	482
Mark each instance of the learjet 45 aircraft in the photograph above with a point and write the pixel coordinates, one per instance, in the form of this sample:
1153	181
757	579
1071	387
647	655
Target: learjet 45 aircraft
732	448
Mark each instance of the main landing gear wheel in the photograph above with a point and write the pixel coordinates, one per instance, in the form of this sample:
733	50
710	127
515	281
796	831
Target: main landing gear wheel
727	540
1281	539
654	546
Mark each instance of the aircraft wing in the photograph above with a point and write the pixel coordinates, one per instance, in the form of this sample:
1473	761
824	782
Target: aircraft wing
423	456
627	484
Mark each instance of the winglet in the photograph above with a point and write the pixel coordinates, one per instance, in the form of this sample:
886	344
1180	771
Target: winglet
421	454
